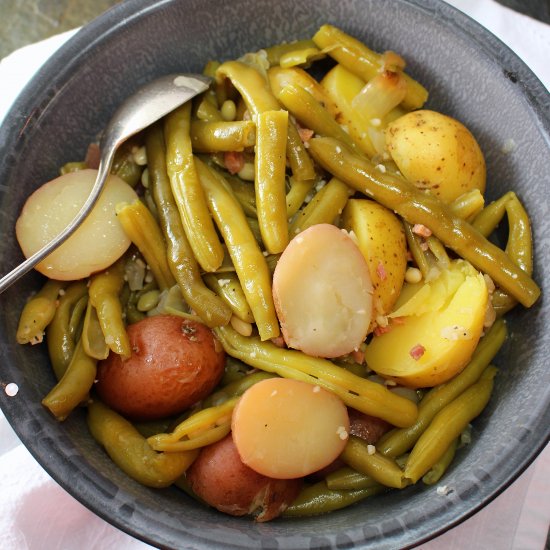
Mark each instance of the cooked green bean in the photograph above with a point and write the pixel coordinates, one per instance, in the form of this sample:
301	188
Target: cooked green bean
488	219
468	204
142	229
423	261
38	313
208	305
435	473
447	425
70	167
299	190
275	52
74	386
324	207
208	112
124	165
243	192
61	334
247	257
356	392
129	450
414	206
104	293
365	459
228	287
319	499
362	61
187	191
92	337
348	479
398	442
212	137
235	388
269	180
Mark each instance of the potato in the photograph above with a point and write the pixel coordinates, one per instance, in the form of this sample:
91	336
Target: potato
323	292
174	363
439	327
381	239
436	152
369	428
222	480
97	243
287	429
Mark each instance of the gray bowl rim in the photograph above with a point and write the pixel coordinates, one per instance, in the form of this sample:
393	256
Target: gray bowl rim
57	69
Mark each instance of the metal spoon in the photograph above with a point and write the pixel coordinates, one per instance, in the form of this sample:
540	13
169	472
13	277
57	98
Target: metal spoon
147	105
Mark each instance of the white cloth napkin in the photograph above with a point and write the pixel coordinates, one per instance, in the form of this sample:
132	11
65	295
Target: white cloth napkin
36	514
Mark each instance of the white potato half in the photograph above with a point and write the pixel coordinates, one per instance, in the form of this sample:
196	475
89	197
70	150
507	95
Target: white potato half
323	292
96	244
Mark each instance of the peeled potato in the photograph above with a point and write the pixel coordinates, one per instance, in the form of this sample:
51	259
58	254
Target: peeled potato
97	244
381	239
323	292
436	152
286	429
438	330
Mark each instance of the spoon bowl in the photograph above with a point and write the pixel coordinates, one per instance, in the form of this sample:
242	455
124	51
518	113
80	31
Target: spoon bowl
149	104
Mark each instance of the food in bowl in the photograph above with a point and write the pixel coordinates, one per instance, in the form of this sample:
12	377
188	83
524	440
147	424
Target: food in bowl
302	221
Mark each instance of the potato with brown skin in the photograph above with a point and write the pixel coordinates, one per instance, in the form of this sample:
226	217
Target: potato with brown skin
369	428
220	478
175	362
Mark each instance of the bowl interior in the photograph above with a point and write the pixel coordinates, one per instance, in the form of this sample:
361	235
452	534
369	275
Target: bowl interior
470	75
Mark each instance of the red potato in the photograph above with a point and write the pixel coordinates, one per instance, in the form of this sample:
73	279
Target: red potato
174	363
220	478
368	428
322	291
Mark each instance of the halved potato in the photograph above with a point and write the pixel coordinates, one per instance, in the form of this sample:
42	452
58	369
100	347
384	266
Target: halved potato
439	328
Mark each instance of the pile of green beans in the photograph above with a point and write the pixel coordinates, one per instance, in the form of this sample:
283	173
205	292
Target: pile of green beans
225	183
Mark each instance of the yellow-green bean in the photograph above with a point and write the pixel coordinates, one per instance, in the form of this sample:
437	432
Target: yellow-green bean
69	167
415	206
142	229
104	293
74	386
228	287
124	165
488	219
212	137
208	305
274	53
92	337
244	193
348	479
319	499
269	180
245	253
363	62
324	207
468	204
299	190
357	454
130	452
435	473
236	388
38	313
447	425
187	191
398	442
207	437
356	392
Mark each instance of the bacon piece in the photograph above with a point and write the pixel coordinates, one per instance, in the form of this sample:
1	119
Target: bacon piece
234	161
416	352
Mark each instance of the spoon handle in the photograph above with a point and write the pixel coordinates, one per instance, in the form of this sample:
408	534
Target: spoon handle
23	268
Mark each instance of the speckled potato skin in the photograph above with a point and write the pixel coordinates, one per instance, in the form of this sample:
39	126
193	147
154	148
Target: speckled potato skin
175	362
221	479
436	152
381	239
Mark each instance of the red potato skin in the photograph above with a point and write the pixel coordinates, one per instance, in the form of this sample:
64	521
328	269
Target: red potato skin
175	362
220	478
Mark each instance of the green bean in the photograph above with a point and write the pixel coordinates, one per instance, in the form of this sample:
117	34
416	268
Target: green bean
228	287
423	261
70	167
348	479
187	191
210	307
142	229
356	392
38	313
488	219
274	53
357	454
61	334
235	370
236	388
92	335
399	441
447	425
299	190
212	137
435	473
468	204
319	499
324	207
363	62
414	206
244	193
269	180
148	300
124	165
208	112
74	386
130	452
104	293
245	253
